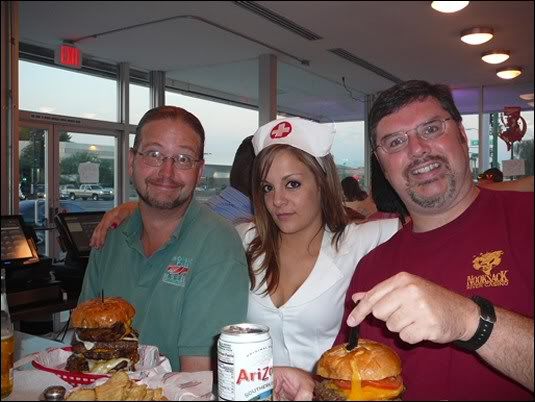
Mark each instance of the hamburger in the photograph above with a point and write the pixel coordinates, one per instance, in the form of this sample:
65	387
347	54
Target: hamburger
371	371
104	340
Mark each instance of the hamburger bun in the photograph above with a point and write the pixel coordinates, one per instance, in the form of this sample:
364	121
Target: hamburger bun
374	360
98	313
369	372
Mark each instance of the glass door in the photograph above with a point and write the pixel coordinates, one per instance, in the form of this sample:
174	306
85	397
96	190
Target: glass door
64	169
88	163
35	175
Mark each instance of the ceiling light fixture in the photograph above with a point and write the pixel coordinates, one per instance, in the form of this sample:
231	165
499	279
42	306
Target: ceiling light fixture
495	56
449	6
508	73
527	97
477	35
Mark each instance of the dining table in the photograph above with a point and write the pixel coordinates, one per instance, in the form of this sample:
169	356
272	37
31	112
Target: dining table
28	382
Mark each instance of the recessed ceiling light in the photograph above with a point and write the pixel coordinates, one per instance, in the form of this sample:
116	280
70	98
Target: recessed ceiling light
477	35
449	6
527	97
495	56
508	73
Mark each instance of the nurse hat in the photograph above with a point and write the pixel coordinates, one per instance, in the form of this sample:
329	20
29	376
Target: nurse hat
309	136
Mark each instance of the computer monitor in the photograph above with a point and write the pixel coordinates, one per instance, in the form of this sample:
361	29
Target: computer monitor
18	246
75	230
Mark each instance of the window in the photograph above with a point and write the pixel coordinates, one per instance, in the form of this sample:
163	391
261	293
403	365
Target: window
348	150
87	170
55	90
139	102
521	150
225	127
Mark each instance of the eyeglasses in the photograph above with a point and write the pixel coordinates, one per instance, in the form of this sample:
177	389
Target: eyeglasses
430	130
156	159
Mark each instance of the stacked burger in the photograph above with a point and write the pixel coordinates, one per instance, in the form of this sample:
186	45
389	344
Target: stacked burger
104	340
369	372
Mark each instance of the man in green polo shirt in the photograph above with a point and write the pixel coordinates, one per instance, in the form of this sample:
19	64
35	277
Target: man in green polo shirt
182	266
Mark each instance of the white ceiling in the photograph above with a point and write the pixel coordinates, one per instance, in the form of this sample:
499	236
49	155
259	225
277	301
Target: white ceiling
408	40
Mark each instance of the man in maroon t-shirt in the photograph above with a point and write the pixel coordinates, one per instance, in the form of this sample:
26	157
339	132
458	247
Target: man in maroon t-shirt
452	292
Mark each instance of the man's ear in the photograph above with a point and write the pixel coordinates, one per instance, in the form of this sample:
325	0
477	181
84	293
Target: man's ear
462	134
201	170
131	155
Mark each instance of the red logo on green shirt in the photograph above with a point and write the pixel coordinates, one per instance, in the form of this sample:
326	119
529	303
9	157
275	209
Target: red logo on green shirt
175	274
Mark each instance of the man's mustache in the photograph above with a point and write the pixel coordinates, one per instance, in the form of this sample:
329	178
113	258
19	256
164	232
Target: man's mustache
164	182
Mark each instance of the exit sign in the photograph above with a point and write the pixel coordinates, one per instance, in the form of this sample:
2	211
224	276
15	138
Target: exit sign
68	56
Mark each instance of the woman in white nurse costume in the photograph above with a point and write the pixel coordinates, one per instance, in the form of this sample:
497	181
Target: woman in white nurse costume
302	251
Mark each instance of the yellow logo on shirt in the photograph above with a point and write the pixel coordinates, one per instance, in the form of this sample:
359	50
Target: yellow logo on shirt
486	262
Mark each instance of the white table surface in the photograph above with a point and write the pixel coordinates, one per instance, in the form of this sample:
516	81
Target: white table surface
29	382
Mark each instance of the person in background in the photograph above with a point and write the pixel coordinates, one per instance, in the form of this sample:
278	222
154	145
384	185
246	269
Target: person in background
173	259
386	200
234	202
452	291
492	179
300	247
356	198
492	175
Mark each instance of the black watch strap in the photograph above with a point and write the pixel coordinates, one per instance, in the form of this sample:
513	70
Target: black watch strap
487	318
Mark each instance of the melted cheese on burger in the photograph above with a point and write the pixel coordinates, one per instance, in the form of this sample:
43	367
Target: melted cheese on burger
369	392
356	389
87	345
104	366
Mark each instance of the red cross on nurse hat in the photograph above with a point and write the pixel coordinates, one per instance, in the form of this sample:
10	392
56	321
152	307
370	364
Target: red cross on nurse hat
309	136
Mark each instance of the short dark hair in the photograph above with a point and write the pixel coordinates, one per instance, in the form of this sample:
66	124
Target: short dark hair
170	113
400	95
383	194
352	190
240	172
493	174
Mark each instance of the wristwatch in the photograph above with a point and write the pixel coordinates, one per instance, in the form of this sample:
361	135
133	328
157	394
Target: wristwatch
487	318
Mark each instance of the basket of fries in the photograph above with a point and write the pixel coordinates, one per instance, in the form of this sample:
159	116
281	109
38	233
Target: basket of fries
119	387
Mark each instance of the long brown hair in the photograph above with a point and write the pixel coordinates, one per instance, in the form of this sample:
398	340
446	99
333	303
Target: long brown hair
267	240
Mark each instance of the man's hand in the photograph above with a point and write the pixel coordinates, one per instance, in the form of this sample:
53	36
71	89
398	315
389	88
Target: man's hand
292	384
418	310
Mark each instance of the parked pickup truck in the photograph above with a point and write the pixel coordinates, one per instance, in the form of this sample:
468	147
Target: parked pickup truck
93	191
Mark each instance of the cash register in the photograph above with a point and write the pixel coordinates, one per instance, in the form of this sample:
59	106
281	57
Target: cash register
28	280
35	286
75	230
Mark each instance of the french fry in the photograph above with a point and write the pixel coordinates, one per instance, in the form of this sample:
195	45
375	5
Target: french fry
136	392
149	396
82	395
118	388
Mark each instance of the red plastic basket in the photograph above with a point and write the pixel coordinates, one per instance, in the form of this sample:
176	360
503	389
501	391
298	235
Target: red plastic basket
73	378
